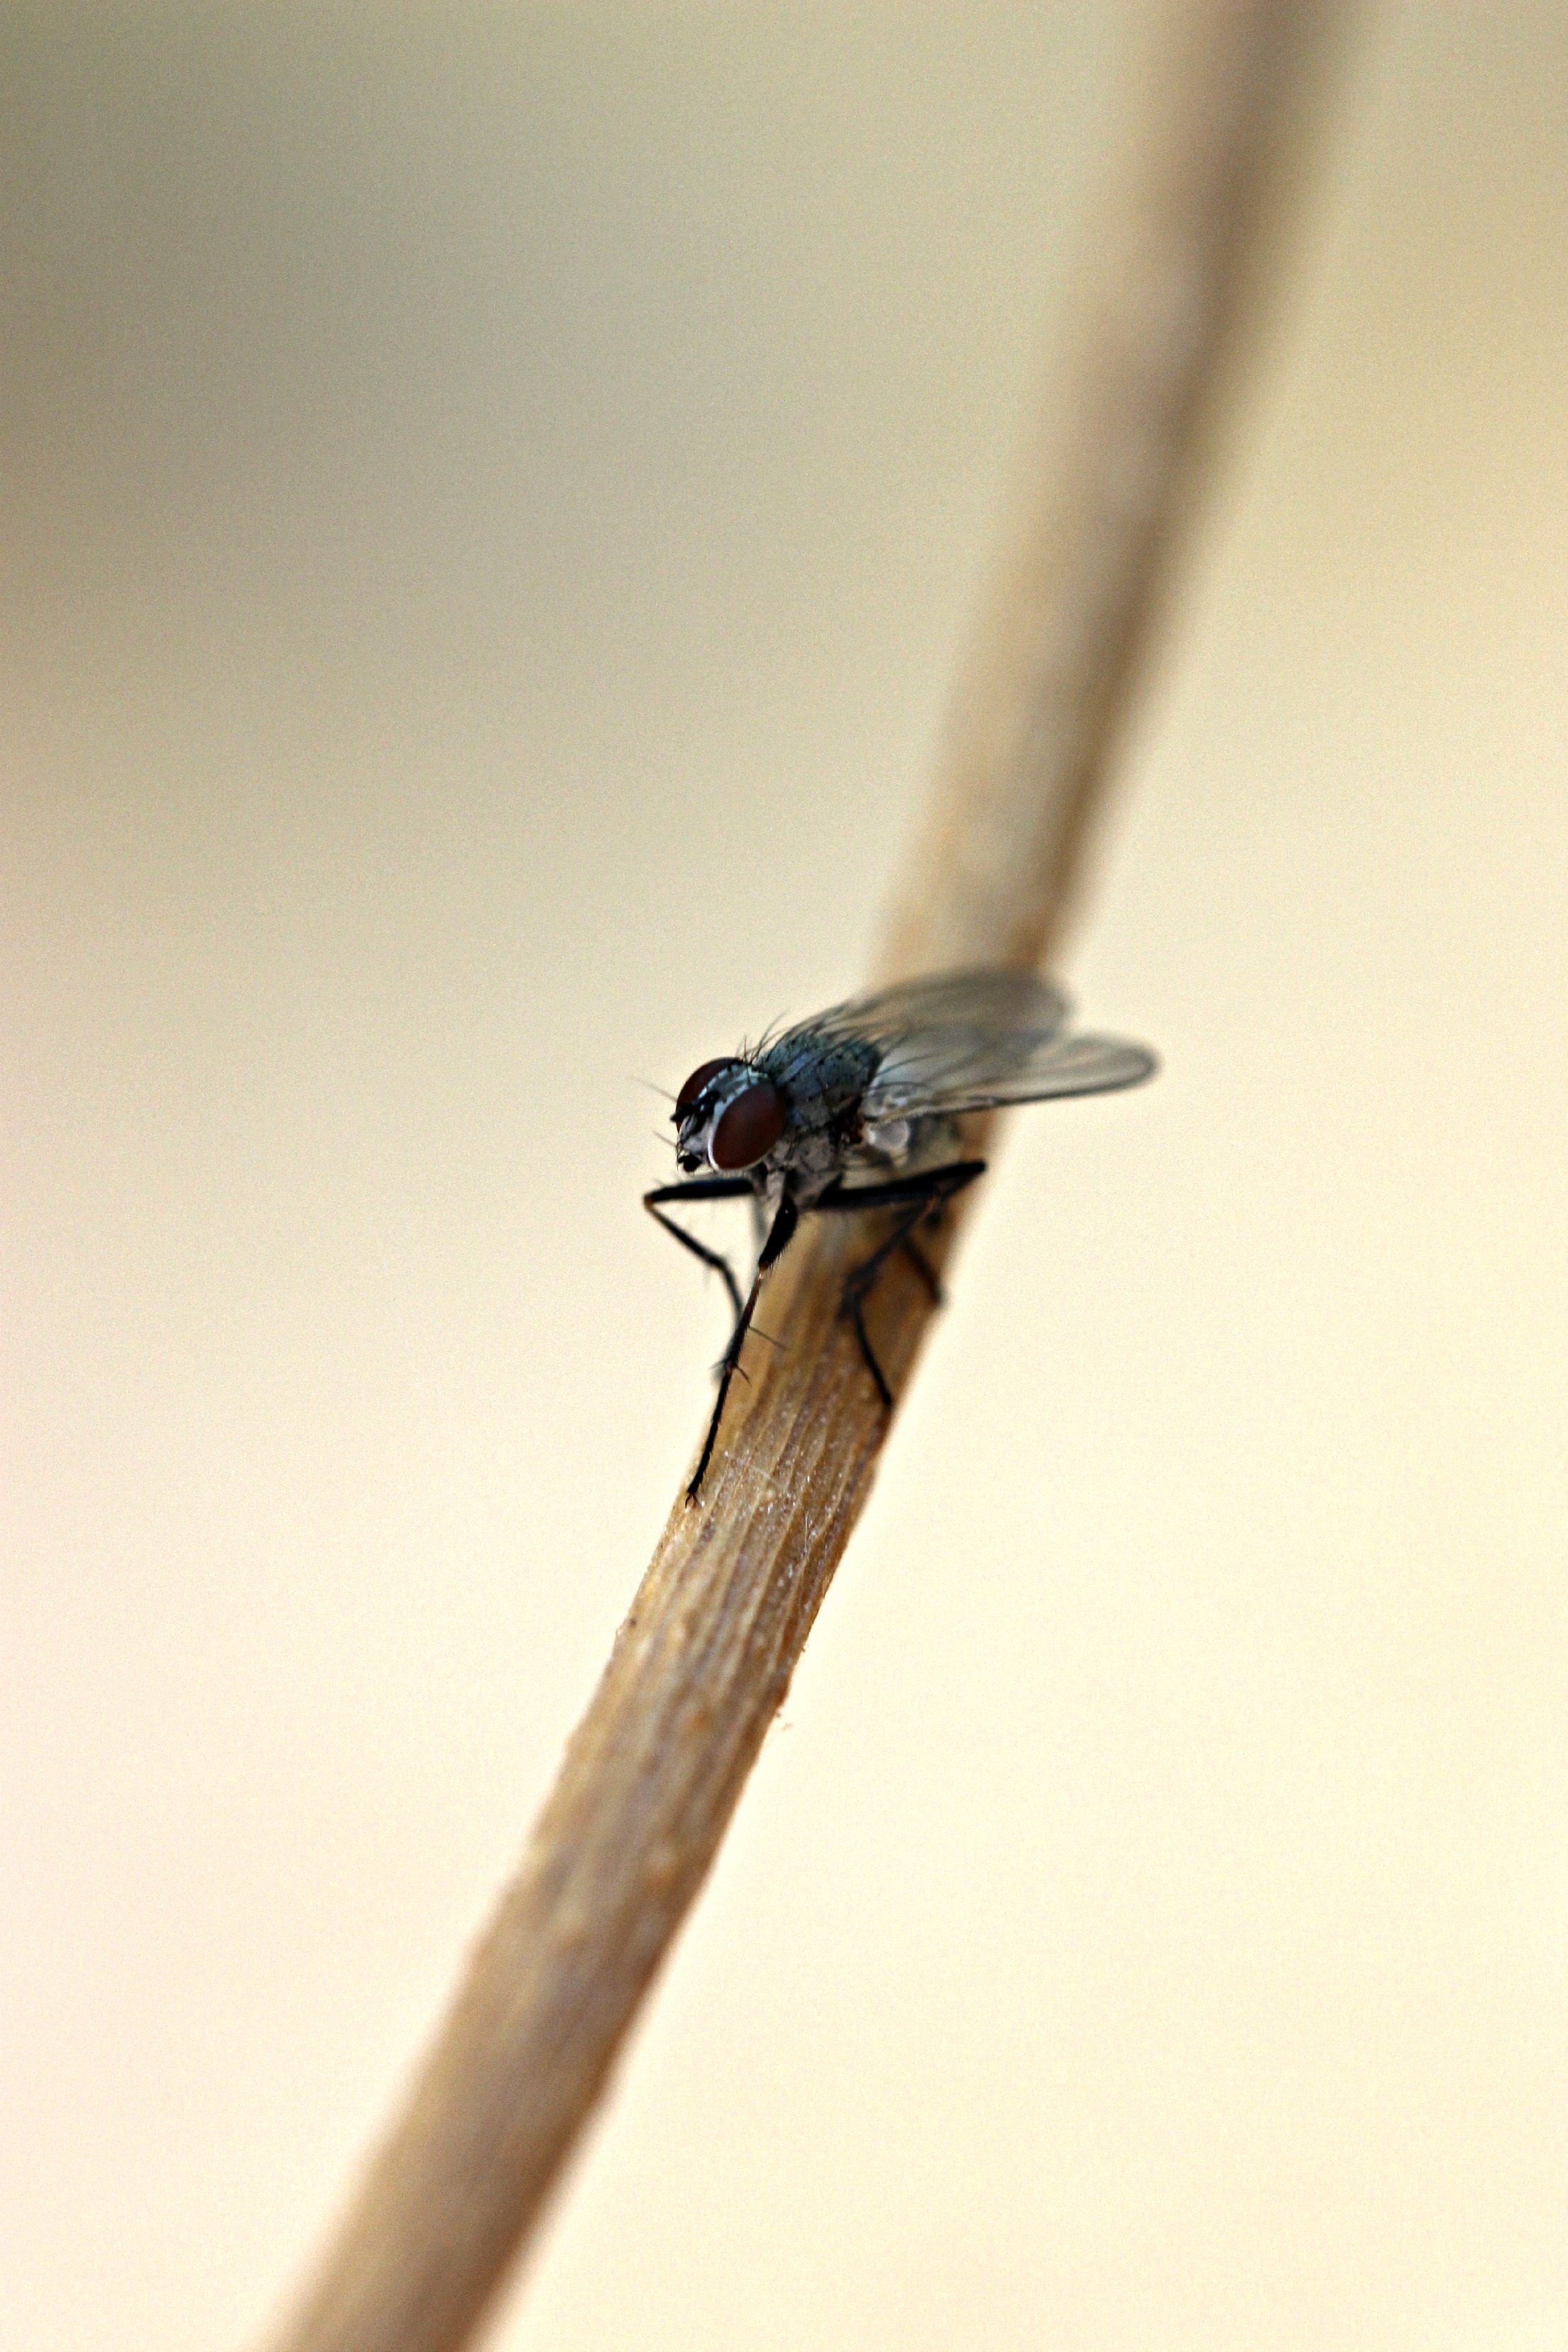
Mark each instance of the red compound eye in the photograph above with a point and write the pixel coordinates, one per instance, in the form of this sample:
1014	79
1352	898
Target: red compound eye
704	1075
749	1129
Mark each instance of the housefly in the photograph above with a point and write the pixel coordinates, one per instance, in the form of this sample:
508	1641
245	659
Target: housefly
856	1109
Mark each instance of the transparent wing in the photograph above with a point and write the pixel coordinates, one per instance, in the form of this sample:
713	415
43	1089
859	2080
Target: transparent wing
1059	1066
971	1041
978	1003
951	1017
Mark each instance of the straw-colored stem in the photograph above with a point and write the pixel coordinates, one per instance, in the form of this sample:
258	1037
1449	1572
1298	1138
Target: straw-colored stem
706	1653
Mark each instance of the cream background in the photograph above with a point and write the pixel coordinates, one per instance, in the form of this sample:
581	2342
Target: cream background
489	499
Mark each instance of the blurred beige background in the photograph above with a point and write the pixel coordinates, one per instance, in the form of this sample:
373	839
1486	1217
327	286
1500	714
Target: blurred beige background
489	502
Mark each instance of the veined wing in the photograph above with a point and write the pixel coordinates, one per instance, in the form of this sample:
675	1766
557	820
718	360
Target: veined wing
967	1041
1061	1066
953	1013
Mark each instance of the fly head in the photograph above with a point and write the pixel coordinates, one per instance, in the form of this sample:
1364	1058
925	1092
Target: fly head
726	1118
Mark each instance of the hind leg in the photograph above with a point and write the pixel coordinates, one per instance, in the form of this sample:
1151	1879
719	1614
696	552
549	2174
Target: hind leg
920	1195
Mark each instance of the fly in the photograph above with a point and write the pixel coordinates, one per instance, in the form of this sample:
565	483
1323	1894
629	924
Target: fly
855	1111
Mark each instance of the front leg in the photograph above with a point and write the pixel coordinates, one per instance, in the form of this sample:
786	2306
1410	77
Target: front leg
782	1232
702	1188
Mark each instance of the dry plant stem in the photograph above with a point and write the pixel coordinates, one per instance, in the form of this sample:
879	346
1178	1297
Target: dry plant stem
704	1659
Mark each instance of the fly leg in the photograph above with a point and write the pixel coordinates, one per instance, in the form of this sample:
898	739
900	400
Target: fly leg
922	1265
911	1248
702	1188
780	1234
922	1194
